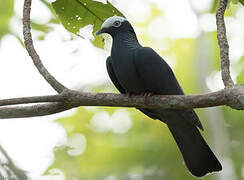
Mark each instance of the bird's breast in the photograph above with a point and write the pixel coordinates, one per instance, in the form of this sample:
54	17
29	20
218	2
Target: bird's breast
126	73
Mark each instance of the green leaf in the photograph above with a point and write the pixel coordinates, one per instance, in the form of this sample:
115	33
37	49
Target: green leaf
242	2
41	27
214	6
76	14
6	12
235	1
19	39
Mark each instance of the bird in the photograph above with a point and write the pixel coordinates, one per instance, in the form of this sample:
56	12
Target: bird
138	70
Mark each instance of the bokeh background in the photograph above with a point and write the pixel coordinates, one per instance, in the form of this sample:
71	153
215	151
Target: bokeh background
98	143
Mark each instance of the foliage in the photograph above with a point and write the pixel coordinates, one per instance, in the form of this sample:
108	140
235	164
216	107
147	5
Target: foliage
6	12
240	1
76	14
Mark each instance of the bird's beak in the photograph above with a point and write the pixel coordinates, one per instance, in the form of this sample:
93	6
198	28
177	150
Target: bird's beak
103	30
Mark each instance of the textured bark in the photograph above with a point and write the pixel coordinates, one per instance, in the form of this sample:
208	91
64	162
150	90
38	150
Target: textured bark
223	44
35	99
32	52
232	97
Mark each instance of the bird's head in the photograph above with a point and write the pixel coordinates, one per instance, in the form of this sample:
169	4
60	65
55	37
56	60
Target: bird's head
115	25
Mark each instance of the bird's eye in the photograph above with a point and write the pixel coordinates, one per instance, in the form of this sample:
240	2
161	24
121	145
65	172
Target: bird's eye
117	24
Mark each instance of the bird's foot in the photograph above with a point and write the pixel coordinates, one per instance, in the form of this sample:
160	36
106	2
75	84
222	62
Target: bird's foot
144	94
147	94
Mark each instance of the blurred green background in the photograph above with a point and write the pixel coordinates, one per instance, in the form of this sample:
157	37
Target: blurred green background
122	143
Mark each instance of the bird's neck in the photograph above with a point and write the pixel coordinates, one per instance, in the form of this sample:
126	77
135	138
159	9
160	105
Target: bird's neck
125	40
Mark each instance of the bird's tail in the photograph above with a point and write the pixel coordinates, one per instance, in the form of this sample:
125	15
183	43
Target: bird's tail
198	157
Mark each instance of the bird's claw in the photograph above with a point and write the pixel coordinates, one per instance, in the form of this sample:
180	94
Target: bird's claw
147	94
144	94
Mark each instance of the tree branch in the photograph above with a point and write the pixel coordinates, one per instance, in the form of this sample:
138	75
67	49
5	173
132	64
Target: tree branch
31	111
13	171
32	52
223	44
28	100
232	96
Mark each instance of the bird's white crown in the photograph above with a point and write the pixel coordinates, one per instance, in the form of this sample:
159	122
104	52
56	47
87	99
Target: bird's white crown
109	22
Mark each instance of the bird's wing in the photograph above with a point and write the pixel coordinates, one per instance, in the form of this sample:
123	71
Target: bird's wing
155	73
158	78
113	76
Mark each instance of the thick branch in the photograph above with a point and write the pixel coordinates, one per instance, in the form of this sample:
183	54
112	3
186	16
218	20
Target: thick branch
233	97
32	52
223	44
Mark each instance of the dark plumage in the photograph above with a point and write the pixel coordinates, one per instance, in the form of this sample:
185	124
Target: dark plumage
136	70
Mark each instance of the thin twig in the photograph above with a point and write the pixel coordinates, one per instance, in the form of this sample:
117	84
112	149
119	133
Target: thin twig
223	44
31	111
34	99
14	170
32	52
